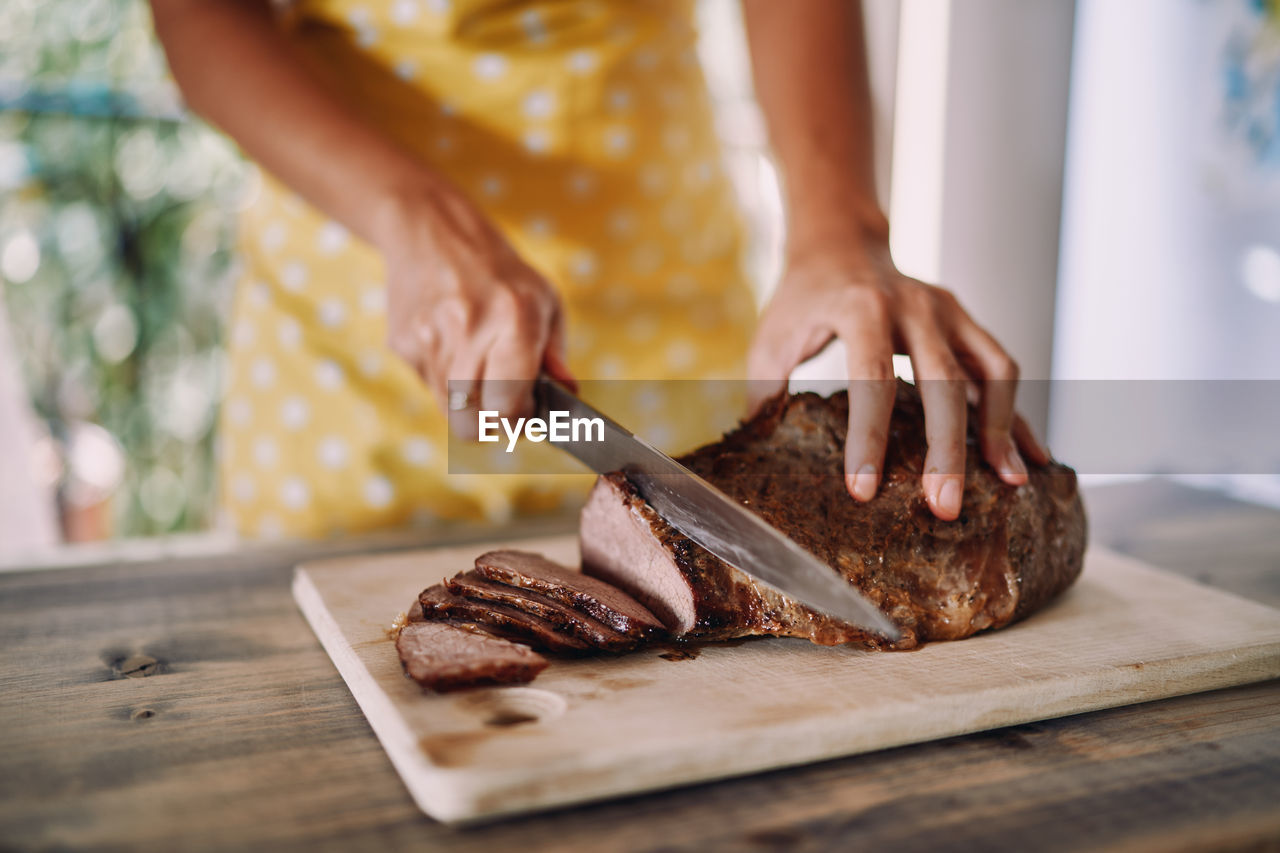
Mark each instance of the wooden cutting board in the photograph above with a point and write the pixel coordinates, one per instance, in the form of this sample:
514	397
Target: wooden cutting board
597	728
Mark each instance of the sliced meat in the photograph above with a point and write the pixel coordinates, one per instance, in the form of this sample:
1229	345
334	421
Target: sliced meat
1010	552
440	656
594	597
473	586
438	604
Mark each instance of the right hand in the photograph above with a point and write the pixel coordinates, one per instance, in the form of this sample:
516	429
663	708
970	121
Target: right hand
464	309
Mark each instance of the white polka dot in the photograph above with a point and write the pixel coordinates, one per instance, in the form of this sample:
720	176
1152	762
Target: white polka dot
676	138
422	517
243	333
489	66
331	313
269	527
366	36
294	493
617	298
273	236
681	285
418	451
676	216
609	367
673	99
289	333
619	99
359	16
331	238
294	275
492	186
406	69
539	226
581	62
582	183
538	103
448	107
445	143
654	179
239	411
265	452
649	399
378	492
698	175
681	354
373	300
622	223
535	30
295	413
262	372
583	265
333	452
658	434
642	328
646	259
370	363
617	141
243	488
439	7
536	140
645	59
404	11
259	294
328	374
695	249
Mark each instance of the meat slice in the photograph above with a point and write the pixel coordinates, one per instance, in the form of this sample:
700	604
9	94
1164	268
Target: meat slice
439	604
440	656
1010	552
591	596
565	619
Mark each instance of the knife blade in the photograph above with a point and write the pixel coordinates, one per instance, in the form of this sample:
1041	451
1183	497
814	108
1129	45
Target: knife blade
711	518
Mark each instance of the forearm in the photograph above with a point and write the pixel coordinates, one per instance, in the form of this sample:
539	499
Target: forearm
811	81
239	71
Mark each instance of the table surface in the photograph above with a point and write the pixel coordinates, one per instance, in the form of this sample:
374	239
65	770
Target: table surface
187	704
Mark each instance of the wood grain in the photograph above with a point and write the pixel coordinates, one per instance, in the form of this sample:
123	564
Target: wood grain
254	741
607	726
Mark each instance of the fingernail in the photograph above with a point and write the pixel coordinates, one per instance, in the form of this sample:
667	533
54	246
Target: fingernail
949	496
1013	464
864	482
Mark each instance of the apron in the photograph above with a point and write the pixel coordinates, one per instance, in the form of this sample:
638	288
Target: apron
583	129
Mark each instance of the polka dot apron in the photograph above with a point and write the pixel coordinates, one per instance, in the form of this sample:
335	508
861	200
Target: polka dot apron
583	129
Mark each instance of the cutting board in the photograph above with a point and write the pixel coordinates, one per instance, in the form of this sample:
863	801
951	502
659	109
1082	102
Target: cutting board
603	727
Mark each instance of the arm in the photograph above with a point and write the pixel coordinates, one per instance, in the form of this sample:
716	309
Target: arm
462	306
811	80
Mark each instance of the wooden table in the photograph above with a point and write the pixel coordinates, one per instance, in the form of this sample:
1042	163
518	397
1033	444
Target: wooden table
185	704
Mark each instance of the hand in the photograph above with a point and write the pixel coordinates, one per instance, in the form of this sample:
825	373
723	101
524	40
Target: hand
463	307
850	289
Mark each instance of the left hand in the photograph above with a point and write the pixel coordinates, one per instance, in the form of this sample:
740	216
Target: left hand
851	290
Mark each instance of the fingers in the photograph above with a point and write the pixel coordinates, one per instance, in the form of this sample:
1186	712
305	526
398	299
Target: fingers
520	333
553	360
1026	439
942	389
869	343
780	346
999	375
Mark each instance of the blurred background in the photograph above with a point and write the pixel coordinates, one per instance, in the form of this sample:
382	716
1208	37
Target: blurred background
1098	181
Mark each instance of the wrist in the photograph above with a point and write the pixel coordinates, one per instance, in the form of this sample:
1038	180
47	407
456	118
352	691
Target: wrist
397	217
845	232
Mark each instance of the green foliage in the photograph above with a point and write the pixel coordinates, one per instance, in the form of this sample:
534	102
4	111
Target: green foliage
131	207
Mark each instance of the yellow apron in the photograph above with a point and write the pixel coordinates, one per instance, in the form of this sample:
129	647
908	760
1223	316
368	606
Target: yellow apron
583	129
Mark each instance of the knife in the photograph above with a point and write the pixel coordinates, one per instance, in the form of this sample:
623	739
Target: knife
710	518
